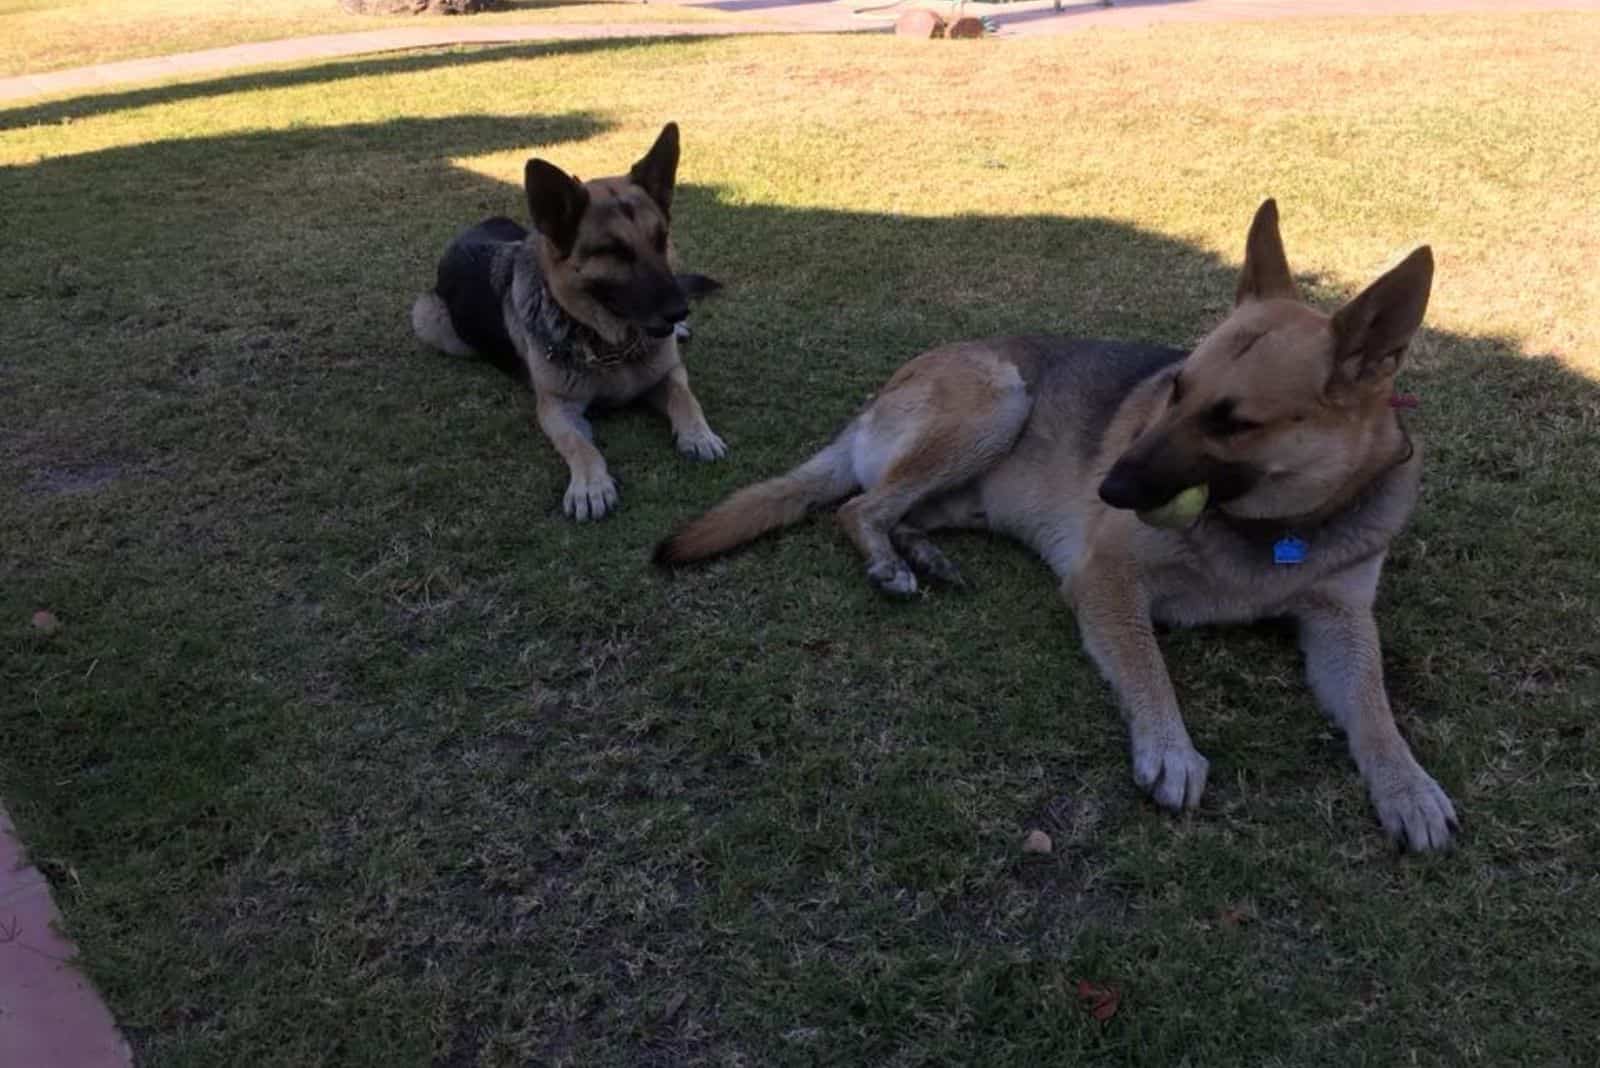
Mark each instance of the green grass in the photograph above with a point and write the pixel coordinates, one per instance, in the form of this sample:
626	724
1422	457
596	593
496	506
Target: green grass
352	751
44	35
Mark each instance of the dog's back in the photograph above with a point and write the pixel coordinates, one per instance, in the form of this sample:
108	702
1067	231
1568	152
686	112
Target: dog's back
464	315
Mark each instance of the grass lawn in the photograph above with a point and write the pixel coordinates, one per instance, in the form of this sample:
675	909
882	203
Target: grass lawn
352	751
46	35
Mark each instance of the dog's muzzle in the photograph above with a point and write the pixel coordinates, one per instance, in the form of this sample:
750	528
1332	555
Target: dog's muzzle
1126	487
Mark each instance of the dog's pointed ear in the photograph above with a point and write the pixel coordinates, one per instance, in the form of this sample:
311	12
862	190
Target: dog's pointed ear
1370	334
557	201
1265	273
657	173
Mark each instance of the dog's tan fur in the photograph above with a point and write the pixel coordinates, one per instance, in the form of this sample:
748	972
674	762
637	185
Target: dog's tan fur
610	233
1287	405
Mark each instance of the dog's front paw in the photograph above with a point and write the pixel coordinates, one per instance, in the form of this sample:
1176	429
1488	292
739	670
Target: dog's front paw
589	498
1172	772
1414	810
702	444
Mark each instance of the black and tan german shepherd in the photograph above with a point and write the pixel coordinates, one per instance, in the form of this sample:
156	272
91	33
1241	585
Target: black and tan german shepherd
1282	413
587	308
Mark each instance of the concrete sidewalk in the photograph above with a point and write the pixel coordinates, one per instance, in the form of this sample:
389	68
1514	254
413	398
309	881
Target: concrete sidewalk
1036	18
369	42
50	1017
1029	18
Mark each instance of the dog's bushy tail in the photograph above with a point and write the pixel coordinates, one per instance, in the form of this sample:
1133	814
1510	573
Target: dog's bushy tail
764	507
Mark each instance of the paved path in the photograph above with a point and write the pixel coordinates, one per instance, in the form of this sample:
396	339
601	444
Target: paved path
335	45
1035	19
50	1017
1029	18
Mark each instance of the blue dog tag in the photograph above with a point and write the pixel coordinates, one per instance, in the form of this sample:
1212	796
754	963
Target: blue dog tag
1289	550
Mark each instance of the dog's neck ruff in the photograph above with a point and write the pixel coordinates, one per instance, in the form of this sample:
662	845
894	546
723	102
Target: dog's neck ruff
1290	535
571	343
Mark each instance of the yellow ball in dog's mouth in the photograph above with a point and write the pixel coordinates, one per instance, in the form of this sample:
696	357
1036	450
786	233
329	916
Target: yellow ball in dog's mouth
1179	512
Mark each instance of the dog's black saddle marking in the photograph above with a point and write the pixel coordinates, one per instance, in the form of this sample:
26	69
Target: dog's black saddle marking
474	277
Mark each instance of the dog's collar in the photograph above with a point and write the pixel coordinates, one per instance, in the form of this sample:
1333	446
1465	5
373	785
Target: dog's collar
584	346
572	343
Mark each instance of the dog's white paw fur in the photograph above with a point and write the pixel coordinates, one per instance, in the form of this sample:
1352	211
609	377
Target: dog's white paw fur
702	444
589	498
1413	808
1171	771
892	577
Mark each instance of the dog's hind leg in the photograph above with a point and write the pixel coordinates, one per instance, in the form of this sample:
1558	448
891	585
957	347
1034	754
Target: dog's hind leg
960	509
924	556
943	420
430	321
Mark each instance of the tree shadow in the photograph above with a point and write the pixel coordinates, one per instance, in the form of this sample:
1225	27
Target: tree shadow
821	304
239	354
93	104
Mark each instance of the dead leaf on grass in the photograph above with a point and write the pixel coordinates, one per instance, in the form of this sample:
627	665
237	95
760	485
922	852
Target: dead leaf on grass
1101	1000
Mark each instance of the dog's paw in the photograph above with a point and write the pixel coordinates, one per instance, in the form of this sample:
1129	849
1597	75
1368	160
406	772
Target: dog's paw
702	444
1172	773
1414	810
926	558
589	498
892	577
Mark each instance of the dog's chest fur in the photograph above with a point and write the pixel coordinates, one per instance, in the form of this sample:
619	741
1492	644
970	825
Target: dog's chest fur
1217	573
500	303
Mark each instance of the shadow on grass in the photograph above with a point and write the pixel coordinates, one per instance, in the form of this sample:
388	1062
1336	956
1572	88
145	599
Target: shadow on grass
357	745
80	107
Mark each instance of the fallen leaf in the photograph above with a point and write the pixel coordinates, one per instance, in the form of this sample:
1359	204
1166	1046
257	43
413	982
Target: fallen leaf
1236	915
1102	1001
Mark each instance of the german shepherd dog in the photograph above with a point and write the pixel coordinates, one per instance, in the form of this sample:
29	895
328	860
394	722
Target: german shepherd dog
1282	412
587	308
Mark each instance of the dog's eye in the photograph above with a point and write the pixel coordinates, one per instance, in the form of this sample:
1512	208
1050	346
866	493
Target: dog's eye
1221	422
661	241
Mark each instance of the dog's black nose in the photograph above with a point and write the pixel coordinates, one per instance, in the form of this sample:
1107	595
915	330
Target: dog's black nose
1121	489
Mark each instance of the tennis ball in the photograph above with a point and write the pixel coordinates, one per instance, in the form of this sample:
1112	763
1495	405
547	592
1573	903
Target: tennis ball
1179	512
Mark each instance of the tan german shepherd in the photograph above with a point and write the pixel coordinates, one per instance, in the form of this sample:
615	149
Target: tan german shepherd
587	309
1283	413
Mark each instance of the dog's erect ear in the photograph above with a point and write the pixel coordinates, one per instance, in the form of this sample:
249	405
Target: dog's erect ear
1265	274
1372	331
557	201
657	173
